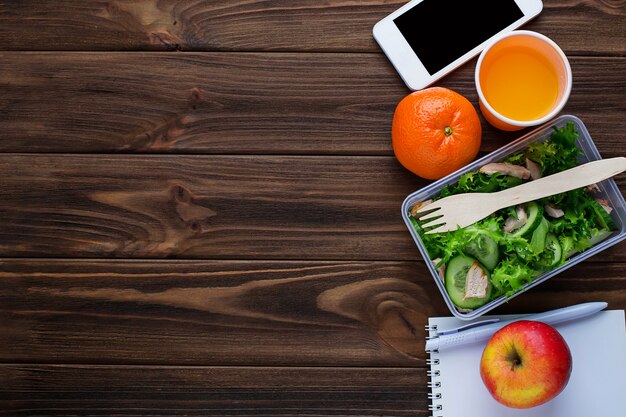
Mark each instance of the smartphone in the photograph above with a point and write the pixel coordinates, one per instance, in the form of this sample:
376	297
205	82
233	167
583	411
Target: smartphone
426	39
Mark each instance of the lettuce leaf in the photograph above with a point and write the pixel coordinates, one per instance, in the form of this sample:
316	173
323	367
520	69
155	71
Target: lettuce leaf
449	244
557	154
477	182
510	276
538	239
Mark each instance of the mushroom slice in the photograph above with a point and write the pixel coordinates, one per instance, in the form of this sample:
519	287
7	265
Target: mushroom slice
534	168
419	206
605	205
514	223
476	282
553	211
517	171
441	271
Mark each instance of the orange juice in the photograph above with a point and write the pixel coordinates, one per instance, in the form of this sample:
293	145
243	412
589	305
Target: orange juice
520	82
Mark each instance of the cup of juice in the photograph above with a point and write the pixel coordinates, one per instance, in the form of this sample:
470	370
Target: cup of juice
523	79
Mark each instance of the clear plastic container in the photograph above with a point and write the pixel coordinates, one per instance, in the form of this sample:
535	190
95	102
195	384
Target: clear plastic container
608	190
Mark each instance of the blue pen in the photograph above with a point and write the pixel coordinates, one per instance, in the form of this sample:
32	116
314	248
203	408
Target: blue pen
481	331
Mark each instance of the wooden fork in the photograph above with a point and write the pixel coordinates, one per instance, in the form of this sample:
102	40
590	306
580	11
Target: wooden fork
461	210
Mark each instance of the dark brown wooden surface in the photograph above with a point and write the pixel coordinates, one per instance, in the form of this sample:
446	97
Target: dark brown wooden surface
250	103
200	207
592	27
244	312
216	391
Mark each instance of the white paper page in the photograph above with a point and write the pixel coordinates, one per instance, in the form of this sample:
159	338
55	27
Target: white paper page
597	386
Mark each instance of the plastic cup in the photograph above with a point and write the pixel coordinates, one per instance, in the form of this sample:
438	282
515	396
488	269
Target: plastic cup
541	54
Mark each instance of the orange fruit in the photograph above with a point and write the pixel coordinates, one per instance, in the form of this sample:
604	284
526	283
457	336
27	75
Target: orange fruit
435	131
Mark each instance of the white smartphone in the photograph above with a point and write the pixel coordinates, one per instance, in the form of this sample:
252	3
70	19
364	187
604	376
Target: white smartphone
426	39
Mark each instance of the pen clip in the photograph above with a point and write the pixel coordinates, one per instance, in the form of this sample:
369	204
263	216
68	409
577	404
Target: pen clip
468	326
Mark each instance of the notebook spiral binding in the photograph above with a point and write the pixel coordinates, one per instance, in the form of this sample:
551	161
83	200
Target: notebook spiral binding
434	374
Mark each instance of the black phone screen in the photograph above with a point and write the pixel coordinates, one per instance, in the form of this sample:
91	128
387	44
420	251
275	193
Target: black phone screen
441	31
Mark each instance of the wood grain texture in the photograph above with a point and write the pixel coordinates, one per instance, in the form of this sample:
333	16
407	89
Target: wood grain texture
582	27
45	390
245	313
245	103
219	207
241	207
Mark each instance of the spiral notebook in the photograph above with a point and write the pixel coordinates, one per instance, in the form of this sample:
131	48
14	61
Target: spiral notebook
597	385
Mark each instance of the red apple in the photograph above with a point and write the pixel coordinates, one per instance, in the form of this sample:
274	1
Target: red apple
525	364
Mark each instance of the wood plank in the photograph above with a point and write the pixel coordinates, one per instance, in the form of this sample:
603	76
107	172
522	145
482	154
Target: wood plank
199	207
589	27
219	207
232	207
338	104
48	390
244	313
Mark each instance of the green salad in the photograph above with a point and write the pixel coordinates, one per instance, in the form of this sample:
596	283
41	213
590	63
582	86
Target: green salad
502	253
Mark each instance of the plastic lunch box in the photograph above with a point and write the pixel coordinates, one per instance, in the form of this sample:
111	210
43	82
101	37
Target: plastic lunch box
608	190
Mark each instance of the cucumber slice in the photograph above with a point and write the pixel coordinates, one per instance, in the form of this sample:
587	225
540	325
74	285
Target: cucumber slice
551	255
535	214
604	219
485	249
456	275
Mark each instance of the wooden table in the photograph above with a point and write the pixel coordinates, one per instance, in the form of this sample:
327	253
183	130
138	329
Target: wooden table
201	208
